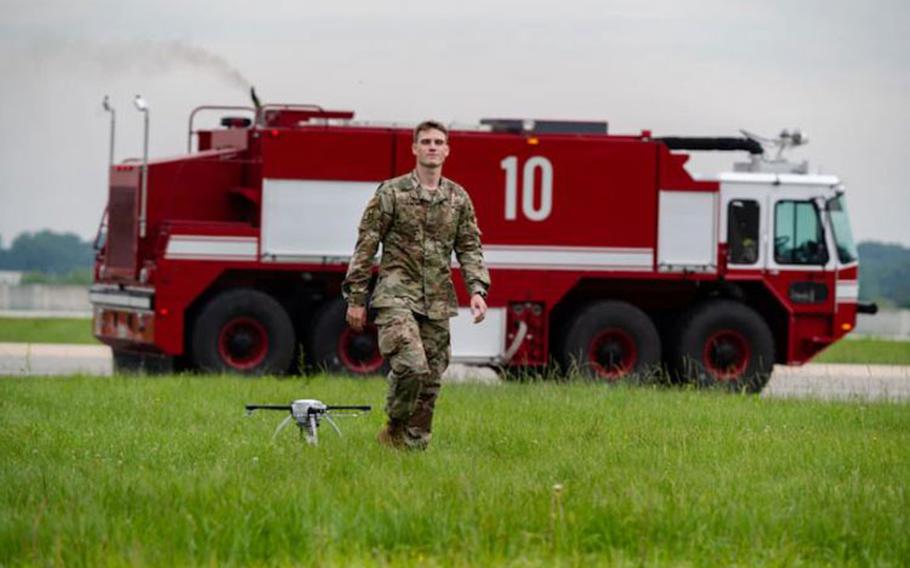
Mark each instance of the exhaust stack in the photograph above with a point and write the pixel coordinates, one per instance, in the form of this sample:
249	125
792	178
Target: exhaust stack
143	107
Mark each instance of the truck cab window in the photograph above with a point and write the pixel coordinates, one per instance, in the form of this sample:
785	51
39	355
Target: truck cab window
742	231
799	237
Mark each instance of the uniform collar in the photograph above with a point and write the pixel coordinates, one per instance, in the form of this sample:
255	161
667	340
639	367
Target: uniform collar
441	193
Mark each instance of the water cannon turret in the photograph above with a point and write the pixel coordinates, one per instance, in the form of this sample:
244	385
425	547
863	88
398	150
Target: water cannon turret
786	140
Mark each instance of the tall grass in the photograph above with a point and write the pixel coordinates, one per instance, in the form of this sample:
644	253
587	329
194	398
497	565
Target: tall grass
163	471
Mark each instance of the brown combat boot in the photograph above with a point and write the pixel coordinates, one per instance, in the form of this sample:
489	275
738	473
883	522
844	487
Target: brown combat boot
418	428
392	435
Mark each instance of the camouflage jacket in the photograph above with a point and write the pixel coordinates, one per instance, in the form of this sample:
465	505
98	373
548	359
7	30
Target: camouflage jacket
418	230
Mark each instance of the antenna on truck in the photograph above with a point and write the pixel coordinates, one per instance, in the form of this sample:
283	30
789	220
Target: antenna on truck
255	98
257	104
143	107
106	104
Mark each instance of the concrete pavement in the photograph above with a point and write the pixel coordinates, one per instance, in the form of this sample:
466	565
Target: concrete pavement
866	382
33	359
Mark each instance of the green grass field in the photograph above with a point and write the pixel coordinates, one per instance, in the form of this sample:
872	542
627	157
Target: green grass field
868	351
47	330
168	471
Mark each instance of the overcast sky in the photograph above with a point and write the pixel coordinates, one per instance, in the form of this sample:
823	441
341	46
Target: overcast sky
838	69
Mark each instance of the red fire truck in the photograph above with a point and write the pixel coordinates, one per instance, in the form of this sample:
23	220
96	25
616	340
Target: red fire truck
605	254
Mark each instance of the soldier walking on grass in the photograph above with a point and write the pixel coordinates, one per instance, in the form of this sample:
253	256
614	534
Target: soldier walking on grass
419	218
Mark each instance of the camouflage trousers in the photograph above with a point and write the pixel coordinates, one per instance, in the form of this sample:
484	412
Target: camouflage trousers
418	351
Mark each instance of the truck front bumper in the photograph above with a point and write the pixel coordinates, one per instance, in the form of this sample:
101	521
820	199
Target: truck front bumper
123	316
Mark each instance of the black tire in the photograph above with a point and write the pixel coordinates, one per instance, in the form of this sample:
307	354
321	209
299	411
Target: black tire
610	340
724	343
337	349
243	331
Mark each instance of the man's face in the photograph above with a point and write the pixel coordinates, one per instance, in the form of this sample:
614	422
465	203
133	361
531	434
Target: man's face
431	148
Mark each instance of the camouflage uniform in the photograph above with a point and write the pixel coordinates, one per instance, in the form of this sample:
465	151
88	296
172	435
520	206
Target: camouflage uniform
414	296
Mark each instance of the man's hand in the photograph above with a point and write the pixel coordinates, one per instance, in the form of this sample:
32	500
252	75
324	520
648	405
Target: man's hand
357	317
478	307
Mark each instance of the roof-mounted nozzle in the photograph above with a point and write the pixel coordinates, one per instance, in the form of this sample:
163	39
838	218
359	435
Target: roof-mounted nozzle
757	146
778	164
784	140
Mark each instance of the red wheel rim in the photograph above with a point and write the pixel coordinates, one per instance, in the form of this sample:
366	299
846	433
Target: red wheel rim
612	353
359	351
727	354
243	343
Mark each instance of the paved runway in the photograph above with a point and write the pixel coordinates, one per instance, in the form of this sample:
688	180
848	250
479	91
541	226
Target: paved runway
851	382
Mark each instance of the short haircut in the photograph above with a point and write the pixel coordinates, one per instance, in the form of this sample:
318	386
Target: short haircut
430	125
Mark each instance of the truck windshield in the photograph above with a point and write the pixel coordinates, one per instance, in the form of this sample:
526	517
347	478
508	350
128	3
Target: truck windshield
840	224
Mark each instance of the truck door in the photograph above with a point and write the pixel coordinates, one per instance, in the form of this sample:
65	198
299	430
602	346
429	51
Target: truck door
801	267
745	224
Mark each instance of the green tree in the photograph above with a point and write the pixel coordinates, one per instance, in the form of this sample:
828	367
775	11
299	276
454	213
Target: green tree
48	252
884	273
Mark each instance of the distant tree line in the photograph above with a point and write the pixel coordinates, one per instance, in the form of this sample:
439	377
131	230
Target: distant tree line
51	257
884	274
